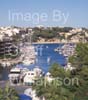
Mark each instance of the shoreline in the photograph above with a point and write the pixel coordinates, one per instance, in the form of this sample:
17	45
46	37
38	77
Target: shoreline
53	42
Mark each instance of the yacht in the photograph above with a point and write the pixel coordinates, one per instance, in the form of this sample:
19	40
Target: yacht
14	75
66	50
19	75
57	49
32	75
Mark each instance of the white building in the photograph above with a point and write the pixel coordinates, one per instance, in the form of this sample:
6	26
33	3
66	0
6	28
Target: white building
32	75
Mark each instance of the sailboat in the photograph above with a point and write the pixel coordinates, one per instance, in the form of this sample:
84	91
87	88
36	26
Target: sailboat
48	60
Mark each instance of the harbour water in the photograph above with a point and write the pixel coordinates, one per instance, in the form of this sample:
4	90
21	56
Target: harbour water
4	73
45	57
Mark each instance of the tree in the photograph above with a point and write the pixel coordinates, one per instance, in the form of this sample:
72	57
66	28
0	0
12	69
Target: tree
81	91
52	90
58	71
80	61
81	55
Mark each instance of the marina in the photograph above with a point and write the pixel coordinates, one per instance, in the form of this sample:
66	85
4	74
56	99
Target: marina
66	50
44	50
45	58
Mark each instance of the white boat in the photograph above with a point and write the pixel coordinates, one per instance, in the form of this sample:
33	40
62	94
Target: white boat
47	47
48	60
14	75
36	60
32	75
56	49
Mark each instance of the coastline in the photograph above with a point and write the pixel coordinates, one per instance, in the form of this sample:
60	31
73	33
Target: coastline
53	42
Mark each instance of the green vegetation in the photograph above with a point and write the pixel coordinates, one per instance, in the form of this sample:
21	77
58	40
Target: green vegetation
49	33
55	90
80	58
57	71
8	94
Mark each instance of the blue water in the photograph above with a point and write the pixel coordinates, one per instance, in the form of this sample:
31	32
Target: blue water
46	51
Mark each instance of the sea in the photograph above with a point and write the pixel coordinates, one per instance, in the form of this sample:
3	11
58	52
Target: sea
45	57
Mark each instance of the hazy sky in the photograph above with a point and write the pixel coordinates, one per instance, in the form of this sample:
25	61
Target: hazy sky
44	12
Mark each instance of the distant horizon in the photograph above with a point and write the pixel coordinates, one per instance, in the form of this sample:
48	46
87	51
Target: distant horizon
55	13
43	26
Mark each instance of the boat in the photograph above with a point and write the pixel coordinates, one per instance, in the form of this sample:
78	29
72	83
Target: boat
56	49
19	75
14	75
48	60
47	47
60	51
36	60
66	50
32	75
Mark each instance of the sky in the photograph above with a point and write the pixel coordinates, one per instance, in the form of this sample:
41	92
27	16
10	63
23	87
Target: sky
64	13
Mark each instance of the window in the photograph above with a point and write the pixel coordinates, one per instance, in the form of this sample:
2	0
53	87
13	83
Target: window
32	73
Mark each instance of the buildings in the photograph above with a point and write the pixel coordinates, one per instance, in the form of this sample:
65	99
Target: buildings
74	35
7	48
9	51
